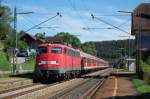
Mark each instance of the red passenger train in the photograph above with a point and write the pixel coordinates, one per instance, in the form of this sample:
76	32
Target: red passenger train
57	60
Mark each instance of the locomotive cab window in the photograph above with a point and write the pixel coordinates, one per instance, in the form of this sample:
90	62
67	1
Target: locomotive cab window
42	50
56	50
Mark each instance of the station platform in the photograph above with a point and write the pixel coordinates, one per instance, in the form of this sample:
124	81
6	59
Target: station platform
117	88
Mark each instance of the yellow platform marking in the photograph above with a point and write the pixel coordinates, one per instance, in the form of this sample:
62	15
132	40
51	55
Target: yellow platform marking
115	89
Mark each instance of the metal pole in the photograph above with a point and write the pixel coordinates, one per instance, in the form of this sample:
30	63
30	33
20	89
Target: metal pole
129	47
16	40
15	25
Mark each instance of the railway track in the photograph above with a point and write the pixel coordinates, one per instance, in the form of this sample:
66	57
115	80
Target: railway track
25	90
84	90
12	93
16	88
74	88
22	90
92	91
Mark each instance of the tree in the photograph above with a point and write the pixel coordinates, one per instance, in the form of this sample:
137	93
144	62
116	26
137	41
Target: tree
90	48
5	20
70	39
10	42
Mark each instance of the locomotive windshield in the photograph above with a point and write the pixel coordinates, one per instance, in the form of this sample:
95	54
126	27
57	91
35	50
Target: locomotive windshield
42	50
56	50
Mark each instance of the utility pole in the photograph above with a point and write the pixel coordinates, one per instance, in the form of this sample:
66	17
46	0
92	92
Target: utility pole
15	25
15	31
14	49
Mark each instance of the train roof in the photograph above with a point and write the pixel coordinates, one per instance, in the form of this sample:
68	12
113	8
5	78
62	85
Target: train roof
58	45
83	54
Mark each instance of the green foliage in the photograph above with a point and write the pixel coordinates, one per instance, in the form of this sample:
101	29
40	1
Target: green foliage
22	45
29	65
9	42
1	45
5	20
145	67
89	47
148	60
70	39
4	63
6	31
140	85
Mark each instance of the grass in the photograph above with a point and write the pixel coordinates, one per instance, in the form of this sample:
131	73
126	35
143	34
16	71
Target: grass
140	85
29	65
26	67
5	75
145	67
4	63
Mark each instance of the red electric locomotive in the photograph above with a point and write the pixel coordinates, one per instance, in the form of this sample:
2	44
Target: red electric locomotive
57	60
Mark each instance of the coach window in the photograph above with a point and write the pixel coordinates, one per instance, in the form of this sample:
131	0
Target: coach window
56	50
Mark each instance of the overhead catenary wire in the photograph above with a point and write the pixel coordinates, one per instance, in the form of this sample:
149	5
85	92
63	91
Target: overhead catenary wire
27	19
113	15
23	22
93	17
58	14
75	9
97	28
124	23
107	27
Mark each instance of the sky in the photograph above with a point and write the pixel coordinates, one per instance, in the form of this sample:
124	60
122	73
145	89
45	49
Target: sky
76	17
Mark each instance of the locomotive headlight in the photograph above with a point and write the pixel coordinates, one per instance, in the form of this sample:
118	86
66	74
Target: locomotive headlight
54	62
41	62
48	62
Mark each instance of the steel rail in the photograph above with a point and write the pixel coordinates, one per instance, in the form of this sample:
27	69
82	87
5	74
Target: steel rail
68	90
91	92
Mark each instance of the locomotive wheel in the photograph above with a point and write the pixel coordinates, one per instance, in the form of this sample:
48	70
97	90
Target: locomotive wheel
35	80
68	76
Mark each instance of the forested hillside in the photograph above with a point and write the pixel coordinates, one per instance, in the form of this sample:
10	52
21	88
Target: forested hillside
112	51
